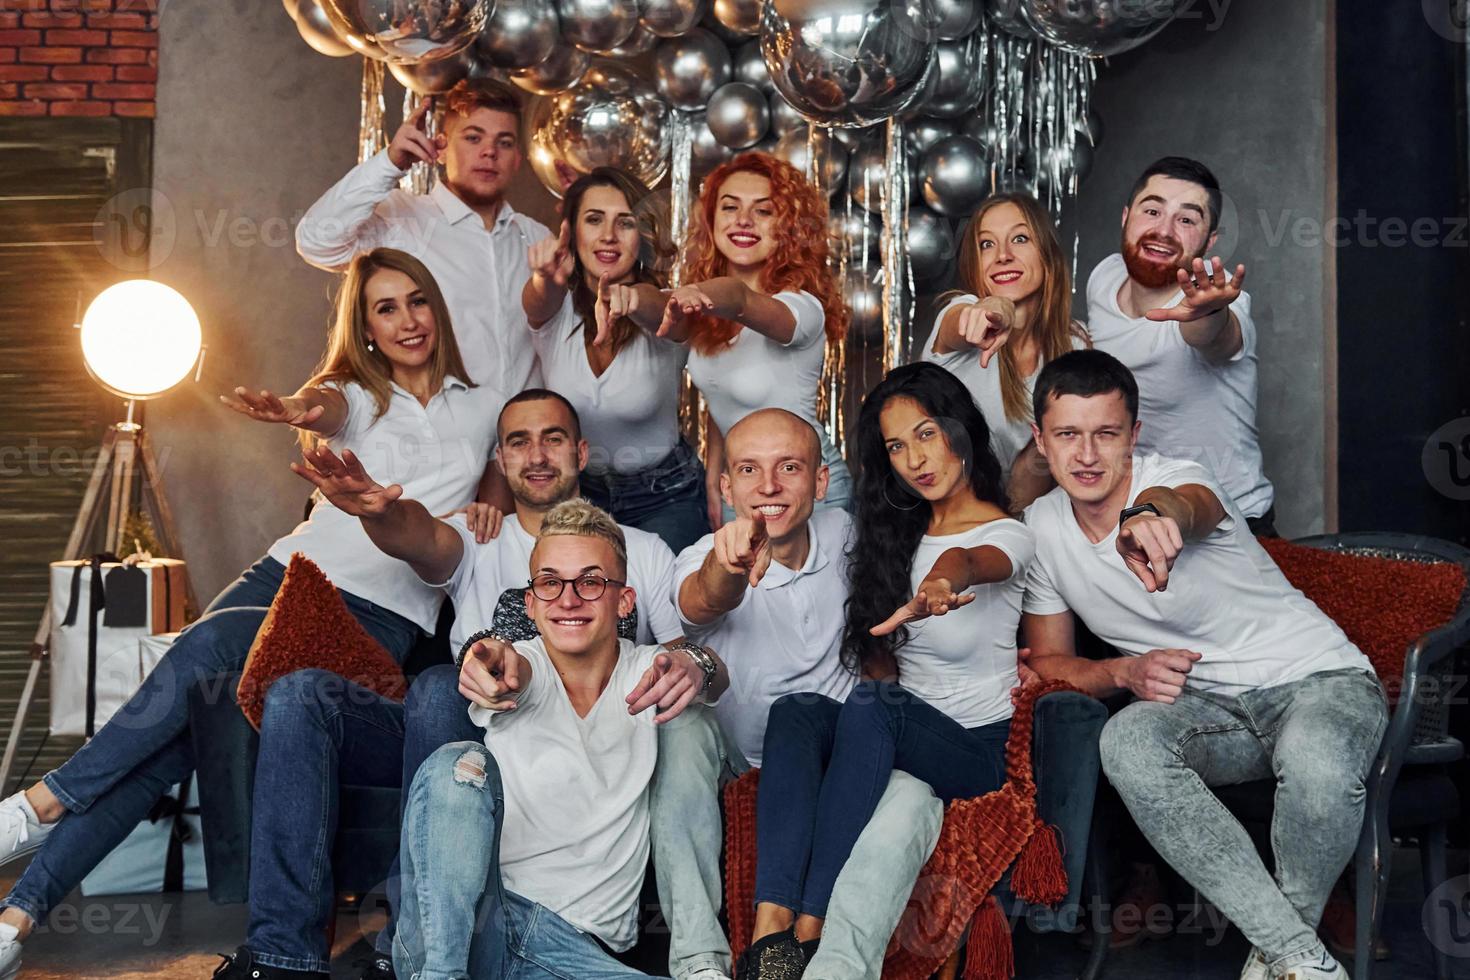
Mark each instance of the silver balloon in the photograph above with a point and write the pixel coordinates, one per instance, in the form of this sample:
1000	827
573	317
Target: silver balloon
857	231
983	129
955	19
670	18
436	77
557	71
520	34
610	118
784	117
750	66
407	33
854	138
960	66
855	67
640	42
690	68
1006	16
596	25
955	175
921	133
867	171
706	152
738	115
316	30
930	241
864	300
767	144
739	16
1065	161
1098	28
795	148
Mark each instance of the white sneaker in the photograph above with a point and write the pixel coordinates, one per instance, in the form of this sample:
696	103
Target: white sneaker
1255	967
1326	968
698	975
21	831
9	952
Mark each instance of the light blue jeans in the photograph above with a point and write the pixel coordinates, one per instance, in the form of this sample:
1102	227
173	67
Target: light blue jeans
1316	737
457	921
694	759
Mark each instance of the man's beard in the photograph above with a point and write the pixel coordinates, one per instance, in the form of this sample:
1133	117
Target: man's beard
472	197
553	493
1148	271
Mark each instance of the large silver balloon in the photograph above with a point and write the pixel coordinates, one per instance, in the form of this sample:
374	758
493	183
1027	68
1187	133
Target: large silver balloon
706	152
640	42
795	148
670	18
955	175
784	117
921	133
930	242
557	71
520	33
955	19
855	67
1059	161
864	300
739	16
856	231
1006	15
316	30
408	31
610	118
439	76
960	66
738	115
596	25
1099	28
750	66
867	171
690	68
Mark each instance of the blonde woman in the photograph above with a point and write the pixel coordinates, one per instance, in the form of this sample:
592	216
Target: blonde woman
392	391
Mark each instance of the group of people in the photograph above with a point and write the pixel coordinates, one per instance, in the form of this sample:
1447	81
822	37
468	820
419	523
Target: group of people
496	421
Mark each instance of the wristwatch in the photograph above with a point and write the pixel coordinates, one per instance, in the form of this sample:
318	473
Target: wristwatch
702	659
464	649
1135	511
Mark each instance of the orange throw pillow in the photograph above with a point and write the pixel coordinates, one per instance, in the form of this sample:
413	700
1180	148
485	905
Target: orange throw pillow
309	626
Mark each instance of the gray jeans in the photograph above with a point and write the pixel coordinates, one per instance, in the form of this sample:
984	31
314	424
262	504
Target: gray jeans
694	759
1316	737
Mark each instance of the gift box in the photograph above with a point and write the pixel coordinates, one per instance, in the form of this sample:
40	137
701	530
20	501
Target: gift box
100	611
164	853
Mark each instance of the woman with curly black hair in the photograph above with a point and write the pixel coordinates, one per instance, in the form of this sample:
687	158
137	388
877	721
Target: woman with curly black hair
938	572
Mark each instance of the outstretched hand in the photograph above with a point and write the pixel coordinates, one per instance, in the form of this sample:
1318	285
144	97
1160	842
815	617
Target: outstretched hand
615	300
345	483
743	547
551	258
673	682
412	143
1149	545
269	407
985	328
936	596
1206	289
682	305
491	675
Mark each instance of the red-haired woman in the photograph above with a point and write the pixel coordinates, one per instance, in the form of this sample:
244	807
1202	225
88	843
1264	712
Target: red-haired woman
757	305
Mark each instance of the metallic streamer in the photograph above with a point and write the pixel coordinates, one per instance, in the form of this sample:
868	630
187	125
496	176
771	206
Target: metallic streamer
682	156
895	207
371	138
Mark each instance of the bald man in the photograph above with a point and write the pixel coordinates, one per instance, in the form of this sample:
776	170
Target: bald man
769	587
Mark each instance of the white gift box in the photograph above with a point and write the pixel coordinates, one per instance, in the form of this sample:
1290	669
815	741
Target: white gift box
142	863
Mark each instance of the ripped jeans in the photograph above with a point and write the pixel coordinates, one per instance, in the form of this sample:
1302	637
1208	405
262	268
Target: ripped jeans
456	919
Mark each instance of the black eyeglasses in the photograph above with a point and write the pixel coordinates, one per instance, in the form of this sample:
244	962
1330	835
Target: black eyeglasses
548	588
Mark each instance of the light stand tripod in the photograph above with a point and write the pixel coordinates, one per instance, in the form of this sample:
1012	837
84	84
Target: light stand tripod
124	450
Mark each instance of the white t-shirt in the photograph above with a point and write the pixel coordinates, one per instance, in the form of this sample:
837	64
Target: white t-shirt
1190	408
1007	436
785	637
487	570
964	662
437	452
575	833
1226	598
629	413
756	372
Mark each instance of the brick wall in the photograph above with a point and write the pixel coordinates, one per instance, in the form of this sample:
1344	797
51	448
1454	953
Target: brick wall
78	57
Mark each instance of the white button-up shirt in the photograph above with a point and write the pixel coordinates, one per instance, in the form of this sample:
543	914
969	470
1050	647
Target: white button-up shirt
480	271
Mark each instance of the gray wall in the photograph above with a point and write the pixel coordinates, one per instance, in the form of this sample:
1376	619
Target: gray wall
1248	94
253	126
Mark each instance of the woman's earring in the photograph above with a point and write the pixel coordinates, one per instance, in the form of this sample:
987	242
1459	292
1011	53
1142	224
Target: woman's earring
889	500
370	345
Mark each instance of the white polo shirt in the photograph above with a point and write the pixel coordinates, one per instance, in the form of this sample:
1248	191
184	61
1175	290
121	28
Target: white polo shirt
480	271
630	412
756	372
1226	599
487	570
1190	408
785	637
1007	436
436	451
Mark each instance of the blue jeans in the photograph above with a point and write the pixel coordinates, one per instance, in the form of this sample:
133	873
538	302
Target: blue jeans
1316	737
317	732
694	758
826	767
666	498
457	919
112	782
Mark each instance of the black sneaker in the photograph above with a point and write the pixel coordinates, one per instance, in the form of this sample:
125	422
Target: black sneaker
241	965
380	967
809	949
774	957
